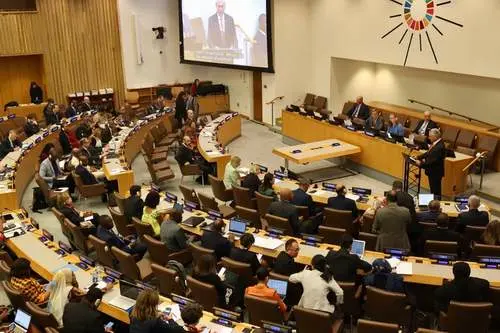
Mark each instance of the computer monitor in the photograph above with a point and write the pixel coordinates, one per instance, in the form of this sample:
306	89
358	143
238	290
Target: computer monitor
279	285
237	226
358	247
22	319
424	199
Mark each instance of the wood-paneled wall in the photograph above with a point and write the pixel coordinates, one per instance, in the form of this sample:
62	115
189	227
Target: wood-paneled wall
16	73
79	41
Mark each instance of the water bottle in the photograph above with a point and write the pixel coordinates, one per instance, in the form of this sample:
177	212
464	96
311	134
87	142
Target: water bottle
95	276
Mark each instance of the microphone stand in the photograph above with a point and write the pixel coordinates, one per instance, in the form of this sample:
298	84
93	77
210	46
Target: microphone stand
272	107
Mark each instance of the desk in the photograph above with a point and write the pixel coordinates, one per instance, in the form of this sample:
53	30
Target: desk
376	153
24	110
213	103
219	131
316	151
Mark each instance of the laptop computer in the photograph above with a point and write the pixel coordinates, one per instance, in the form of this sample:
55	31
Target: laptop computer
21	322
237	227
279	285
128	295
424	199
358	247
462	204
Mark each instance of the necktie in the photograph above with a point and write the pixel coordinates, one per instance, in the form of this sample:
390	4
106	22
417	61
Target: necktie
357	111
221	24
423	128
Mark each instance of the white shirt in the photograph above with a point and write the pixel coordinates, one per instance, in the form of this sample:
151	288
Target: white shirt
222	23
315	291
423	127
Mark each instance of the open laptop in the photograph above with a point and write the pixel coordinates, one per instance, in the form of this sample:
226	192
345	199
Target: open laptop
462	204
21	322
358	247
237	227
128	295
424	199
279	285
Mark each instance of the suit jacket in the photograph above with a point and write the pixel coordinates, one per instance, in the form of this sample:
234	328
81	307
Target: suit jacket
92	154
87	177
50	117
65	142
173	236
85	107
470	290
31	128
80	318
71	111
391	223
427	216
344	265
224	40
251	182
434	160
340	202
473	218
377	124
133	207
430	126
47	171
215	241
286	265
406	200
301	198
364	111
288	211
110	238
71	215
8	146
83	131
184	155
246	257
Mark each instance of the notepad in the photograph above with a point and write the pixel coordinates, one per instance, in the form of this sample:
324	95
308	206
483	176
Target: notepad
267	243
352	196
404	268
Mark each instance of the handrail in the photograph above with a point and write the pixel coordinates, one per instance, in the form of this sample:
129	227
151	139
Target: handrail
451	113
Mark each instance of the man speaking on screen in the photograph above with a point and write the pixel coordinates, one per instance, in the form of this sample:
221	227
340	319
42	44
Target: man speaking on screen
221	29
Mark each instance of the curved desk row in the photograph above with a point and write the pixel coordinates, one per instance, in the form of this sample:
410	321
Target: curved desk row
24	110
215	136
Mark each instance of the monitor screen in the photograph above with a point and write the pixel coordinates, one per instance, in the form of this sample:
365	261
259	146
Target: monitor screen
236	225
226	33
279	285
22	319
462	200
358	247
424	199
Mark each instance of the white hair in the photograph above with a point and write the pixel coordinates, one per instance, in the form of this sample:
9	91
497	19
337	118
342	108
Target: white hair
474	202
435	132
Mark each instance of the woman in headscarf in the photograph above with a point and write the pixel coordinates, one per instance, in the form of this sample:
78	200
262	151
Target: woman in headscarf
63	289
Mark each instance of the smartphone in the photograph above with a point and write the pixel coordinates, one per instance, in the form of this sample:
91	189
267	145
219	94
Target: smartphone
109	325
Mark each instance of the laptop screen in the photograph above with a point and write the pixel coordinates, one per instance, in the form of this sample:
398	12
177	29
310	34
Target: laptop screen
424	199
279	285
129	290
462	200
237	226
22	319
358	247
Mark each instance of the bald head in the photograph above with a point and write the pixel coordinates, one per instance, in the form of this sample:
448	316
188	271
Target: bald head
427	115
285	194
474	202
359	99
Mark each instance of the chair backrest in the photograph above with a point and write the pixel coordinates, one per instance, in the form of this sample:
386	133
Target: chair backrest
120	201
127	264
466	151
466	138
121	222
347	107
482	250
331	235
338	218
260	309
4	270
103	254
428	225
167	280
142	228
294	290
78	182
432	246
189	194
241	269
370	240
41	317
474	233
203	293
495	299
207	202
219	189
44	187
243	197
158	251
162	129
468	317
386	306
263	203
15	297
320	102
250	215
280	223
79	239
449	135
489	144
197	251
351	305
64	228
303	212
307	318
370	326
309	99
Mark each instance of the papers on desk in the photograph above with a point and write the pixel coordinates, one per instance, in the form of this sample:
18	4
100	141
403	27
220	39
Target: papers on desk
352	196
115	171
267	243
402	267
213	153
62	177
174	309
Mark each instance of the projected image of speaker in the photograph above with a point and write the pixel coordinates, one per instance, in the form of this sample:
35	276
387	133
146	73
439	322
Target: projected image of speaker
226	33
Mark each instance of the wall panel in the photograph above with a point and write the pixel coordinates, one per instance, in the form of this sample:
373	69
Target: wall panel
79	41
16	73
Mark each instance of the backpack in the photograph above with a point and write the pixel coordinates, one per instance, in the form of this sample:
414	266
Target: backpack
38	200
180	270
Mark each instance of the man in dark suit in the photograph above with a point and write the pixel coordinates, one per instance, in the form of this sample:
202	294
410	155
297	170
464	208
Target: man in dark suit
404	199
432	213
473	217
92	153
85	106
50	113
243	254
433	161
285	263
185	155
83	317
134	204
300	197
85	175
359	110
71	111
221	28
31	127
462	288
285	209
215	240
424	126
251	181
10	144
441	233
128	244
340	202
343	264
84	130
